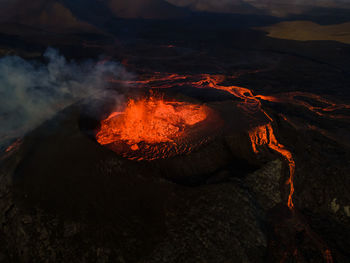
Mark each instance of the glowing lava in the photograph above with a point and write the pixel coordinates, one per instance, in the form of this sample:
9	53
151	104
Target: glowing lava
14	146
264	135
251	104
150	121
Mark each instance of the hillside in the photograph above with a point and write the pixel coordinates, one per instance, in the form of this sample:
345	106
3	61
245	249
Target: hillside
307	31
49	15
279	8
149	9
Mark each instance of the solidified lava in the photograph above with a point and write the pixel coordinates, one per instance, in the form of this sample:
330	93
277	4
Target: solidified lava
261	135
250	104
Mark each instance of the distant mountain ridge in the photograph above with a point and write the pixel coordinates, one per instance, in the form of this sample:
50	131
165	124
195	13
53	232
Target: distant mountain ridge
279	8
81	15
152	9
49	15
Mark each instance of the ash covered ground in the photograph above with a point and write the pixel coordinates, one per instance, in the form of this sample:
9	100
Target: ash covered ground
267	180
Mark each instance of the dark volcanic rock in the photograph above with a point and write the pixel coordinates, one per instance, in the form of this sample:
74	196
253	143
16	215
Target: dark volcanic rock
209	229
266	184
66	198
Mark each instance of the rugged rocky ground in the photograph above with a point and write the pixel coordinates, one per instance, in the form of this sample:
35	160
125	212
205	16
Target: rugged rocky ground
65	198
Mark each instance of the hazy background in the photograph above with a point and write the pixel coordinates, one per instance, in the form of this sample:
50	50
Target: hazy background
43	10
272	7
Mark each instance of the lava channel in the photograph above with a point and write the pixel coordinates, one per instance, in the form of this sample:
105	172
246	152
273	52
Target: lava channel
153	128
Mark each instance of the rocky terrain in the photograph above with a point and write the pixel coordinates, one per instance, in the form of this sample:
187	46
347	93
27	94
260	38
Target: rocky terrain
66	198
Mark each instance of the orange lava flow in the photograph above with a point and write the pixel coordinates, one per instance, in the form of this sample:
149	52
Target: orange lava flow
14	146
11	149
295	98
328	256
157	80
151	121
264	135
250	104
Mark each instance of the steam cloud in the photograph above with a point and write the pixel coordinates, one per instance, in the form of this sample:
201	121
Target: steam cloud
32	92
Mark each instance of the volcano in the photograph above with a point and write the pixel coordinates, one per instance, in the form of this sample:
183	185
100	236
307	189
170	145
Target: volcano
174	141
146	135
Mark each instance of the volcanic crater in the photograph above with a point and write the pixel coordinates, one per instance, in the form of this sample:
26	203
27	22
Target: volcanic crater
184	135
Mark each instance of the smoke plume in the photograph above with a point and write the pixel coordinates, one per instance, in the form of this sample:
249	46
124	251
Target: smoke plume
32	92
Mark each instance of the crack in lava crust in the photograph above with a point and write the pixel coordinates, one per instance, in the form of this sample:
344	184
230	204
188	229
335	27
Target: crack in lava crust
153	128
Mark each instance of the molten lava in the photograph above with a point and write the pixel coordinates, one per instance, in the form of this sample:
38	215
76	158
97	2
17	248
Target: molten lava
15	145
262	135
252	103
259	136
150	121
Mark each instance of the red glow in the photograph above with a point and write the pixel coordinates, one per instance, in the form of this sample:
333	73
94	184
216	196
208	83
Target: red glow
264	135
150	121
14	146
295	98
252	103
328	256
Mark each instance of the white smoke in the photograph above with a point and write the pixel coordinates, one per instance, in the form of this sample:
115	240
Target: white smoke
32	92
